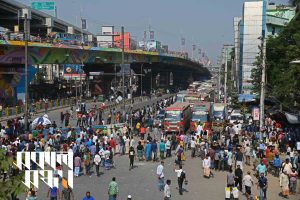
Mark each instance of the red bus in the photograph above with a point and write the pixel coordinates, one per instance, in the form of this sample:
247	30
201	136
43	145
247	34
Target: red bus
177	117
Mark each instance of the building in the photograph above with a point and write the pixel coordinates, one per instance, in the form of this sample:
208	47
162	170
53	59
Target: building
106	38
278	16
258	19
236	26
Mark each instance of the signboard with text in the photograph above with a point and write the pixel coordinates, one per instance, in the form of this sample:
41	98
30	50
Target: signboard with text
44	5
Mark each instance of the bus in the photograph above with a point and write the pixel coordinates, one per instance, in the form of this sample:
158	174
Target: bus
66	38
180	96
177	117
192	98
201	113
219	115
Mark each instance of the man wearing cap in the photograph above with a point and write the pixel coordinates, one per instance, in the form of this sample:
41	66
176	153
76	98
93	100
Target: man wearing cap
129	197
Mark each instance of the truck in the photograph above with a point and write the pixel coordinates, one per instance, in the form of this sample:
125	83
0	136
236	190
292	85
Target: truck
219	115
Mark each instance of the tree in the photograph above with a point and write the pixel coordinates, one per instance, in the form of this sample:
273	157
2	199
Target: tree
282	77
256	73
13	186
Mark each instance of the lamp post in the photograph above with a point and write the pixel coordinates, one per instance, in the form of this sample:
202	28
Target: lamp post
26	26
263	79
142	79
122	63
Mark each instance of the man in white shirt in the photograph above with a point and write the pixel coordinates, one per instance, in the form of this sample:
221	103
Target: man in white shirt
97	161
248	182
247	154
193	147
167	190
180	178
199	129
168	147
160	175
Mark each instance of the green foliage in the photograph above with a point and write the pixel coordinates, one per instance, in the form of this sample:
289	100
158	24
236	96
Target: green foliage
283	77
14	184
256	73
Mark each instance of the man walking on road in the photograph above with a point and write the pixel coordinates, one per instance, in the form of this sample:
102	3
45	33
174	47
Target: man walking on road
193	147
167	190
160	175
113	189
248	182
180	177
88	196
262	186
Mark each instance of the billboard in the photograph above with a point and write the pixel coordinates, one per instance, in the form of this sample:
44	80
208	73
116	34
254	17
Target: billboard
118	40
73	72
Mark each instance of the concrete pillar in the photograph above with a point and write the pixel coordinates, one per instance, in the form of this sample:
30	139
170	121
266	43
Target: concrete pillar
49	24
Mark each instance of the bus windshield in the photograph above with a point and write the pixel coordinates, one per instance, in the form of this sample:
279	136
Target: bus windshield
200	116
179	99
173	115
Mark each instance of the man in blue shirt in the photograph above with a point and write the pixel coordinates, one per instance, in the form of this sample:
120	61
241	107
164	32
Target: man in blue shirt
276	163
88	196
162	147
261	149
262	185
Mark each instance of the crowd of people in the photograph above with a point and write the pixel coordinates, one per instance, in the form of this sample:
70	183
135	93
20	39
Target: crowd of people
92	147
272	151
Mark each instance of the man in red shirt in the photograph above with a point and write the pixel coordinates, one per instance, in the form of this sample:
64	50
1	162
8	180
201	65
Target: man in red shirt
112	144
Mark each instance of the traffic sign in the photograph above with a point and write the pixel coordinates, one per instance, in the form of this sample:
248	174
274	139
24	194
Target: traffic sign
47	5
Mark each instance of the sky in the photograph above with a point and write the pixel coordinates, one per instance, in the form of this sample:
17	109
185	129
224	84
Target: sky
205	23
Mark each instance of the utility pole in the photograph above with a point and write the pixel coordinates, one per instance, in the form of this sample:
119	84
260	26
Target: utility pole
26	71
142	79
225	77
122	63
263	79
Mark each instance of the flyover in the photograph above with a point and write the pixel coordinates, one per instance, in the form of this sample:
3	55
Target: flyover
11	13
102	59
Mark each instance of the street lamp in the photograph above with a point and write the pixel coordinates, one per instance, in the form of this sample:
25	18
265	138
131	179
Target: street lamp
142	79
26	27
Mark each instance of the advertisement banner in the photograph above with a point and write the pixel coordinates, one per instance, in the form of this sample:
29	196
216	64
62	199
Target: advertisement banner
255	114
